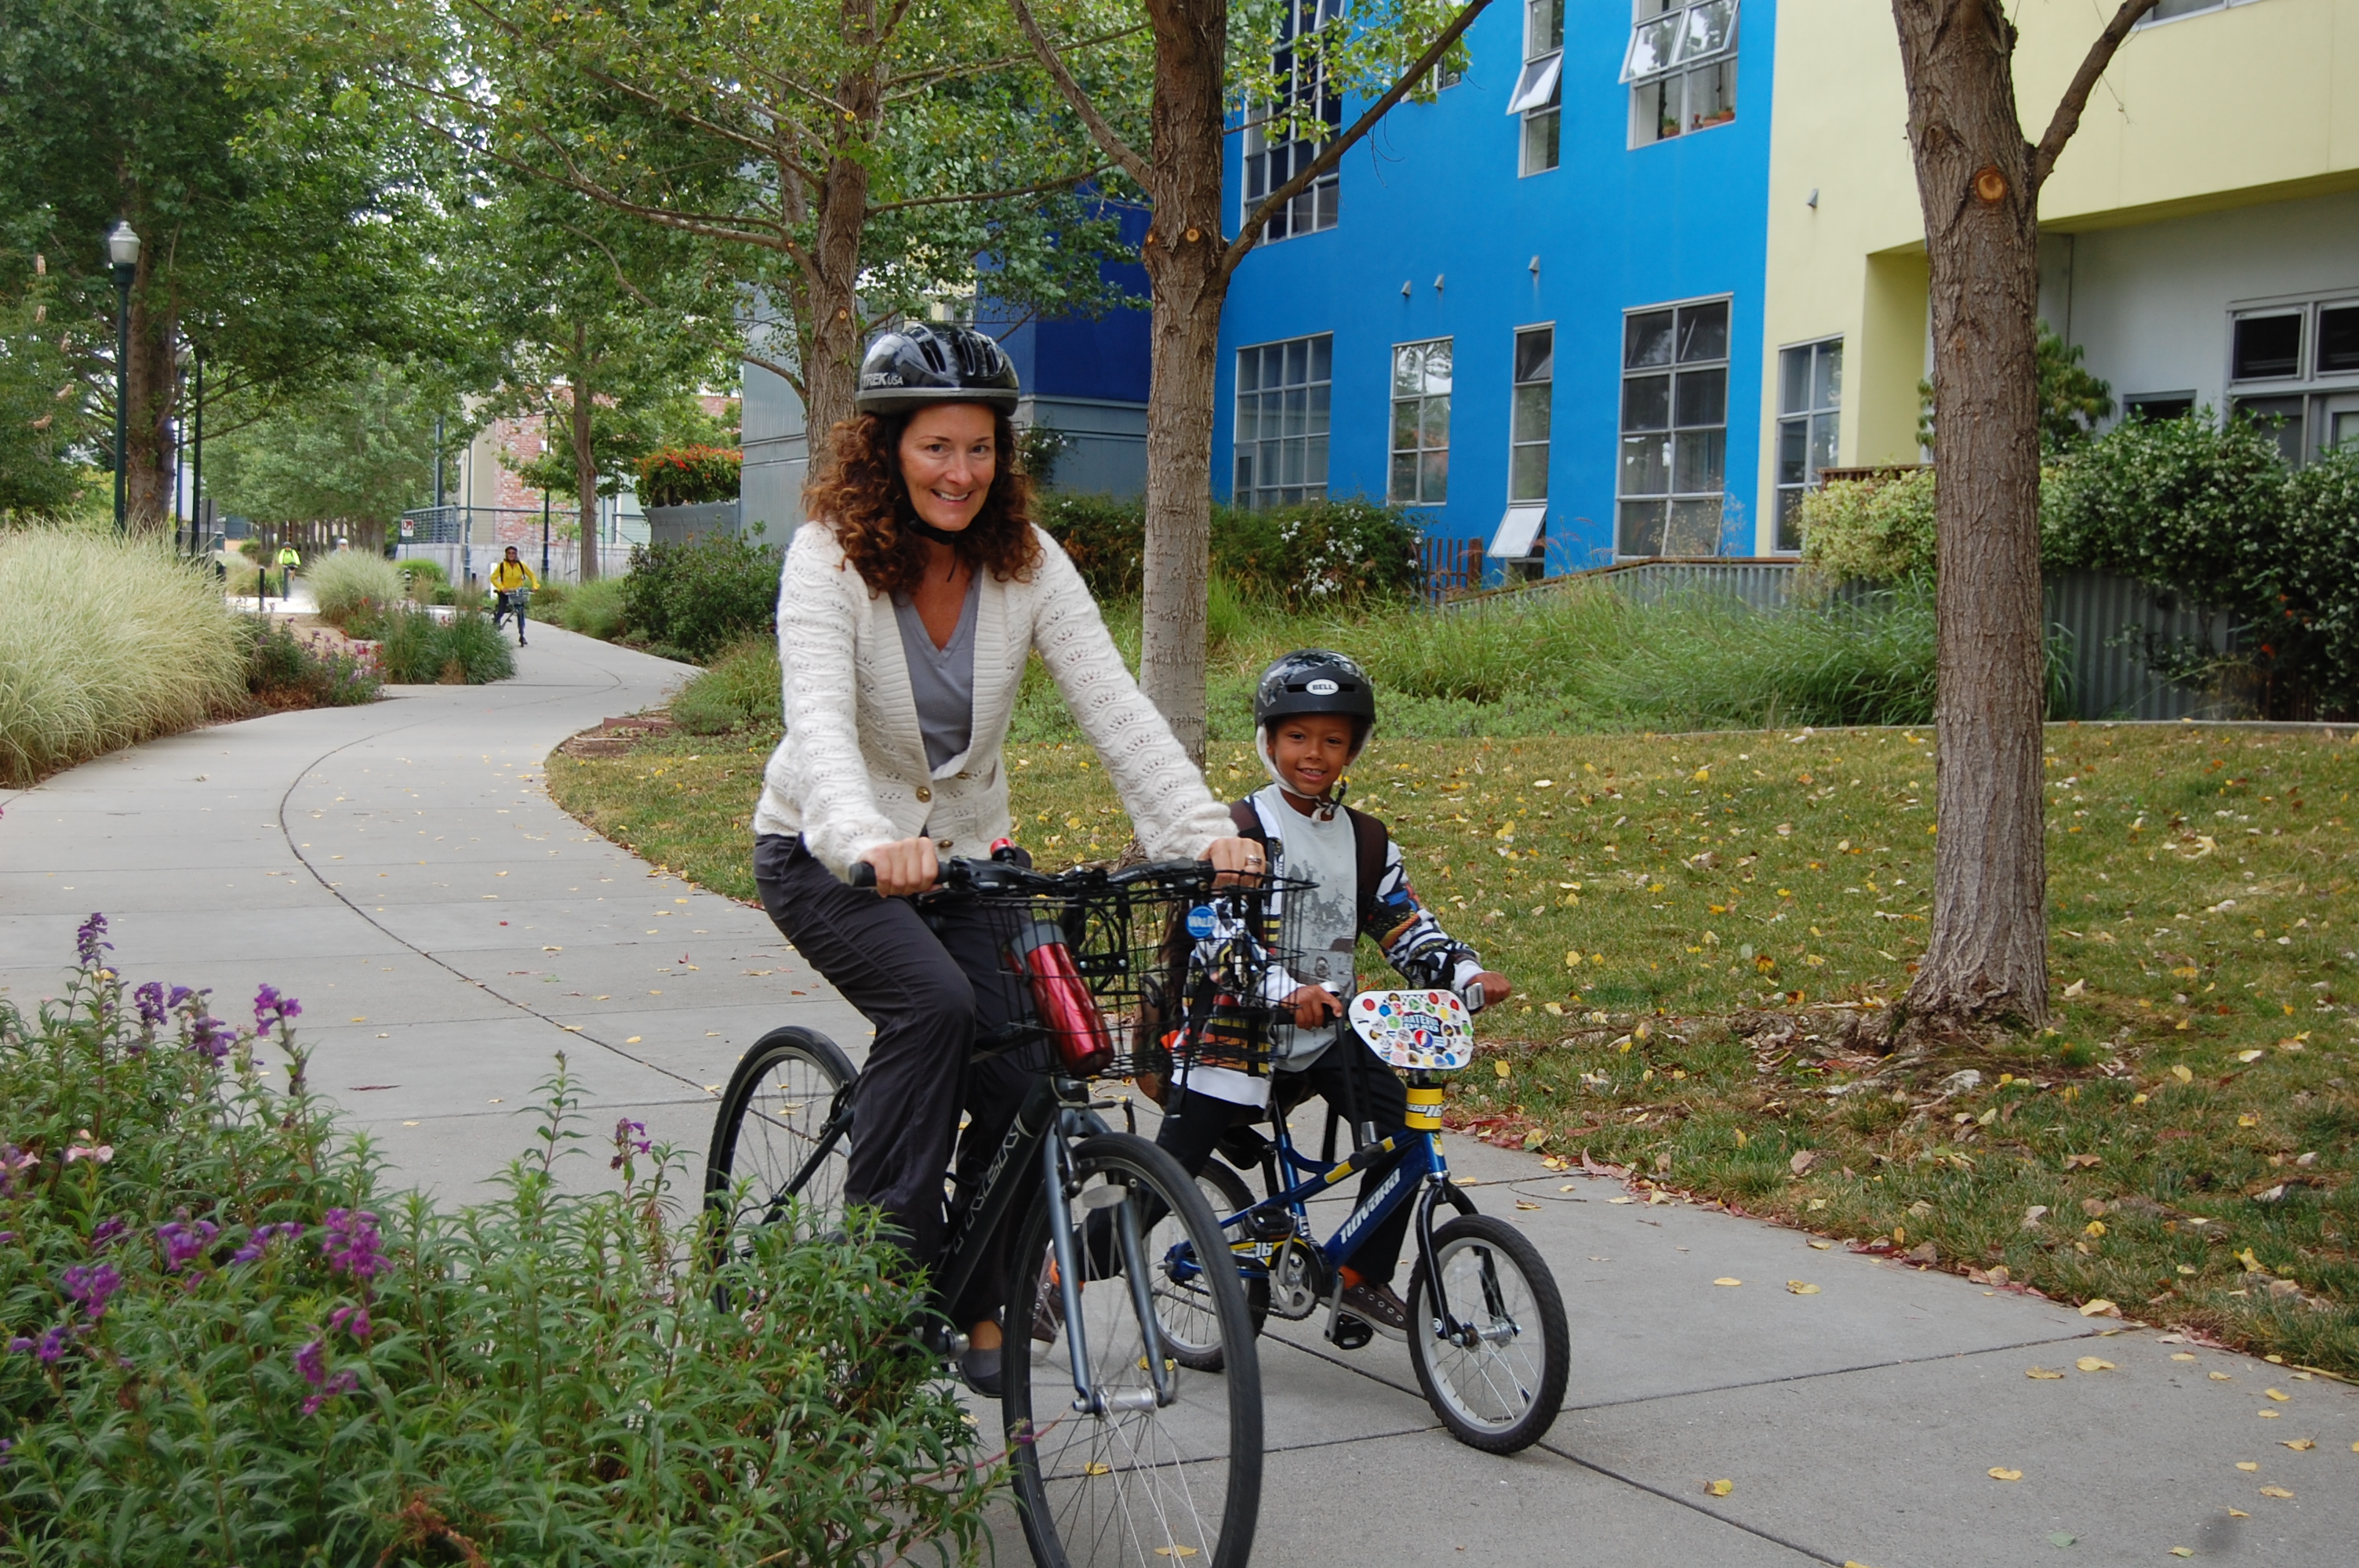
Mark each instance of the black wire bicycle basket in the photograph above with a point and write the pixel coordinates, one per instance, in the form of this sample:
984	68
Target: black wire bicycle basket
1131	973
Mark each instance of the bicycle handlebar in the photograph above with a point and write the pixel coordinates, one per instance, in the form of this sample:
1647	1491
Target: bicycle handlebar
958	874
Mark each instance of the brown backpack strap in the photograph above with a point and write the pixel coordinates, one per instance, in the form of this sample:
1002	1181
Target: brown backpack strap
1248	820
1370	842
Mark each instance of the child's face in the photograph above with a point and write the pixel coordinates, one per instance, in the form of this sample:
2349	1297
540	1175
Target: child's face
1310	752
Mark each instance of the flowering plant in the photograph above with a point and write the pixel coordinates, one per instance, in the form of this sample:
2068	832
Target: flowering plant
216	1321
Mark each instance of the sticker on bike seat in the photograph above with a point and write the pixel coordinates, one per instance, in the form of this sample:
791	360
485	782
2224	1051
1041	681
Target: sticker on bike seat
1200	922
1429	1030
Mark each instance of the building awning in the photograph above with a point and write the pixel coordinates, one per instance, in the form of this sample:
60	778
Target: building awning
1519	531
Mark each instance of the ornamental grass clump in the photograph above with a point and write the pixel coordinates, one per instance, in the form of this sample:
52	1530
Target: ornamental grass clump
417	647
346	583
226	1341
105	643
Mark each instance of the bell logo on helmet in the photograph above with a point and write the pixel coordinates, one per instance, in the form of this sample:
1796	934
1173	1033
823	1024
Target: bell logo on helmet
1323	688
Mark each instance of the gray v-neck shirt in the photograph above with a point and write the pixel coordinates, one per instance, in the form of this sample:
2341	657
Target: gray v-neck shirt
941	680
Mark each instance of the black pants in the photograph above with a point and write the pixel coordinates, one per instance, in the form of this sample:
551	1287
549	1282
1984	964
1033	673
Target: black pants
1347	1077
927	986
511	603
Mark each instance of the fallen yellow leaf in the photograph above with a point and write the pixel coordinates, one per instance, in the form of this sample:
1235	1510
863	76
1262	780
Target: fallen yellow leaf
2222	1378
2184	1073
2181	1355
2275	1492
1501	1068
2182	1551
2248	1464
2300	1444
1999	1474
1175	1552
1525	1203
2092	1364
2097	1307
1801	1288
2278	1394
2238	1513
1820	1245
1721	1488
2268	1415
2043	1374
1727	1279
1095	1468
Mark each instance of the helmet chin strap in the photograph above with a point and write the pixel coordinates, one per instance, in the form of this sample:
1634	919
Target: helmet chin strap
1326	805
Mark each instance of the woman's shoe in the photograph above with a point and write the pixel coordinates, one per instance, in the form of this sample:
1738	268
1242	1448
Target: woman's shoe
981	1371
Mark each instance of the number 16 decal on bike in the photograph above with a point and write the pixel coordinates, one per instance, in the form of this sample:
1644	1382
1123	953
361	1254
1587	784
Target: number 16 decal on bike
1486	1326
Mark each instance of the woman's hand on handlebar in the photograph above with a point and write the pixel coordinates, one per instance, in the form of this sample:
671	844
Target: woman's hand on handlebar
905	866
1236	861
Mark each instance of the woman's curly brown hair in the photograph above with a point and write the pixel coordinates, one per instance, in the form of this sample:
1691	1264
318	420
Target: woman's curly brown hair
862	496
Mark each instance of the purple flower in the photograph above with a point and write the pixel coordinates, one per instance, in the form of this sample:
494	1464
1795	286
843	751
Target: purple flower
152	1008
179	995
210	1037
91	1284
312	1362
13	1160
185	1240
7	1445
19	1345
352	1244
106	1232
354	1319
269	1007
90	940
260	1242
626	1144
52	1346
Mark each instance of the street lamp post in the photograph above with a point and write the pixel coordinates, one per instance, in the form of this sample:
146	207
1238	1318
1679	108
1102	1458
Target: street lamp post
122	253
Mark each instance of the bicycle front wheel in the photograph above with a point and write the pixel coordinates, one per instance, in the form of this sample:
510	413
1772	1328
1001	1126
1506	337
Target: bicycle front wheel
1148	1473
781	1140
1500	1390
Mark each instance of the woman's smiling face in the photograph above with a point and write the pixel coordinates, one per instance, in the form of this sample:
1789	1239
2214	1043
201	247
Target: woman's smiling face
949	456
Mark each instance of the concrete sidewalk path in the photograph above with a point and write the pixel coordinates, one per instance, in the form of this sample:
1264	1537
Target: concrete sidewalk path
400	869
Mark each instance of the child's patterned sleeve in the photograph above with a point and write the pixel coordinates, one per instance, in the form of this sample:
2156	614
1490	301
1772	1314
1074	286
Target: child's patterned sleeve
1414	941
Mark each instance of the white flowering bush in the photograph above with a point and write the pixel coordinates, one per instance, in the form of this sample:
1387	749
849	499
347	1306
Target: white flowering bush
225	1342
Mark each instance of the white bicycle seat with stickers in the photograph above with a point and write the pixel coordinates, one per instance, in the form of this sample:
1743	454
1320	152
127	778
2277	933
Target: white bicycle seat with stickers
1428	1030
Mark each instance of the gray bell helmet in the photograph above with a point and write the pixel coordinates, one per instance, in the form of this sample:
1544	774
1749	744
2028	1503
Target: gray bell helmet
918	365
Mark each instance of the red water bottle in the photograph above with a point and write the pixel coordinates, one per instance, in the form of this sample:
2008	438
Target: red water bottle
1061	998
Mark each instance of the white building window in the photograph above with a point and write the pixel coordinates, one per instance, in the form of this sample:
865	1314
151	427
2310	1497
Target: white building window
1810	406
1420	443
2171	10
1306	112
1538	97
1282	405
2295	368
1674	429
1682	68
1527	452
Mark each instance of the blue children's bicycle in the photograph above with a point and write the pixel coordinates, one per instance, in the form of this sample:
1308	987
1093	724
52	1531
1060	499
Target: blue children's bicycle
1487	1331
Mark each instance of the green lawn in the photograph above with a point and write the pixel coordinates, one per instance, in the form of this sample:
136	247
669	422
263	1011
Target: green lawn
1691	919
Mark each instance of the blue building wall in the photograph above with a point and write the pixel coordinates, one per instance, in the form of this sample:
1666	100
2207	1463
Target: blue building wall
1089	377
1434	193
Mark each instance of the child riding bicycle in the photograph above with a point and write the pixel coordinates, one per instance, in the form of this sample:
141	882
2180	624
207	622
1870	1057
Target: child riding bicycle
1313	712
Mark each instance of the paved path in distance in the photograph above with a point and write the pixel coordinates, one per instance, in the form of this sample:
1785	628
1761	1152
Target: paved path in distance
399	867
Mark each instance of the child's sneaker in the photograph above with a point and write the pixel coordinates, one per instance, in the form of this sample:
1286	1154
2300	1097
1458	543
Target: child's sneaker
1379	1306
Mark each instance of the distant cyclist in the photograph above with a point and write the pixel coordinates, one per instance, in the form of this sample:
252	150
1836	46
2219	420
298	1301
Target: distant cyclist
289	562
514	582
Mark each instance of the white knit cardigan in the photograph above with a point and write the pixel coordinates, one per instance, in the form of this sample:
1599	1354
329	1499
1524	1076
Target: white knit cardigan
851	772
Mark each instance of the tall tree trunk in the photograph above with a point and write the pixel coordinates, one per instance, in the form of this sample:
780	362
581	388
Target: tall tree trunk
1183	254
585	461
1987	957
831	291
147	441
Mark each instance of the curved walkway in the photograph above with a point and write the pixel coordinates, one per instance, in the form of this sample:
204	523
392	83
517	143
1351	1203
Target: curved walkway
449	930
399	868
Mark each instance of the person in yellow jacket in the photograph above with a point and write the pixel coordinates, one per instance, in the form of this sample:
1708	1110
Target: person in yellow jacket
514	582
289	562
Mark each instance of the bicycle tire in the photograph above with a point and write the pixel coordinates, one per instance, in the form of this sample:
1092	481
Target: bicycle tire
1493	1398
1134	1488
786	1101
1225	1192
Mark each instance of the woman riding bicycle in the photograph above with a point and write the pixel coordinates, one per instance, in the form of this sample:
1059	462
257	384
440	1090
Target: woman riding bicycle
907	610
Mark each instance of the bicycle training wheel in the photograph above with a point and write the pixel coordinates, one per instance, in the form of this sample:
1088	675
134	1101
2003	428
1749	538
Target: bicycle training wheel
1140	1477
1501	1392
780	1143
1189	1324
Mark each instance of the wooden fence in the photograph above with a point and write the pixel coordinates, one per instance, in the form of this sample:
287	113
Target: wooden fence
1451	566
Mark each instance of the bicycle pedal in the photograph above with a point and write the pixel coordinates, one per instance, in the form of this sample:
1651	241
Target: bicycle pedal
1349	1333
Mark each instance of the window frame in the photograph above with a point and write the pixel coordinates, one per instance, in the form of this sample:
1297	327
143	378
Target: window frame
1537	102
1316	438
1807	418
1322	200
1682	68
1671	370
1516	384
1418	453
2307	397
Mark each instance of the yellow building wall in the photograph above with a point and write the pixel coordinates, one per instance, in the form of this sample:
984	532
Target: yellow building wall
2258	101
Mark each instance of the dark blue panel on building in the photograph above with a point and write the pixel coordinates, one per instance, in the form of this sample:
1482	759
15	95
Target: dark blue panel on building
1104	359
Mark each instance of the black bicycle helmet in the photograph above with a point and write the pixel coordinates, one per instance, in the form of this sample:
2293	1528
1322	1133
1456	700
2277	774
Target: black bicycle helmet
919	364
1312	680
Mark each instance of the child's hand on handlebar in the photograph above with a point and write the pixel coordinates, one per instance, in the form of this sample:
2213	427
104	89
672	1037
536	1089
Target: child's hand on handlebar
1494	987
905	866
1312	1005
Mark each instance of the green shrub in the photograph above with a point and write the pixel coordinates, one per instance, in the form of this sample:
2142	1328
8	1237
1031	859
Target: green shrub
1698	662
738	691
596	609
418	648
283	671
689	601
230	1344
105	643
422	575
2320	577
689	476
342	581
1321	554
1869	530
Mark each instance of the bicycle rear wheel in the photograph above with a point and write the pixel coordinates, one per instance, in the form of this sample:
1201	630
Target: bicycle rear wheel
781	1138
1500	1392
1136	1481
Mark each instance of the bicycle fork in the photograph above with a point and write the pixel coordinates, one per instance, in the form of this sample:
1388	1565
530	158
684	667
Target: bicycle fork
1087	1398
